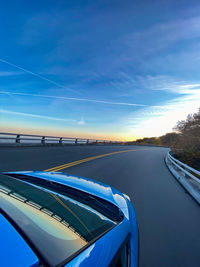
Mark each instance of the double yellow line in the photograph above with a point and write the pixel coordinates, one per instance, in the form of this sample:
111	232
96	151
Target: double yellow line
65	166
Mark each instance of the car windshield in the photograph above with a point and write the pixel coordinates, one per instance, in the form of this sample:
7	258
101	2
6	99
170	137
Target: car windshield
57	226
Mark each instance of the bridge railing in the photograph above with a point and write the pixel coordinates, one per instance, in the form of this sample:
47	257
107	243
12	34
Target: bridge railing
186	170
15	138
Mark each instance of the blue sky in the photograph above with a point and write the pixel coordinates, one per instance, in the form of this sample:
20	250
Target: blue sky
102	69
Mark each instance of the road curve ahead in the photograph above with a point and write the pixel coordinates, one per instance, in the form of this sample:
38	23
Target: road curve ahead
168	218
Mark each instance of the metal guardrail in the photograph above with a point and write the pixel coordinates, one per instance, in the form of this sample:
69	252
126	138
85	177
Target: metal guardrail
187	170
15	138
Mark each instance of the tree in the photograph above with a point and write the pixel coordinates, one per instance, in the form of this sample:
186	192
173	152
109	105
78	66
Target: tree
149	140
170	139
189	142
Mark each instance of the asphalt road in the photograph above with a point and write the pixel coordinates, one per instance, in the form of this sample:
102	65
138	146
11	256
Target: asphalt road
168	218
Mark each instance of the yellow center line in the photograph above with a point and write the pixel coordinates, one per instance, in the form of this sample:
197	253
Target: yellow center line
70	164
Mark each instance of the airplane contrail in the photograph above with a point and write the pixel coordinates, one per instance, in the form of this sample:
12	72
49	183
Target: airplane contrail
72	98
37	75
5	111
79	99
62	86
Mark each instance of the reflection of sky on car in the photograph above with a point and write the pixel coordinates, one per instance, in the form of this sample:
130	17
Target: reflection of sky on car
87	183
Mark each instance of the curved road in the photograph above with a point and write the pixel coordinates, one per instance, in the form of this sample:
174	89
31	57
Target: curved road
168	218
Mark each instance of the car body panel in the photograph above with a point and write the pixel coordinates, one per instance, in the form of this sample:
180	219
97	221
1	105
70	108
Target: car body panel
14	250
103	250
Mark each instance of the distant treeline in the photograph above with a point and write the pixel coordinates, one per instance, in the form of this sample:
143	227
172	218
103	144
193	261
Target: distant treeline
184	141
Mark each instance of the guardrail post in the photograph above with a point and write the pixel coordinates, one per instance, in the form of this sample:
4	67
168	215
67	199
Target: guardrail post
17	138
76	141
43	140
60	141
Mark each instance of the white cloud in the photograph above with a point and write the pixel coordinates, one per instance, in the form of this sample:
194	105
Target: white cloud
151	122
166	83
81	122
160	36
